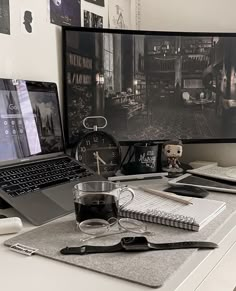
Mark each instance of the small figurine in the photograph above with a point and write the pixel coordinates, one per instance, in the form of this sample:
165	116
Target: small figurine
173	150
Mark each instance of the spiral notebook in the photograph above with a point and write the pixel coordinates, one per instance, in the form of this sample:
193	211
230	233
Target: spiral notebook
152	208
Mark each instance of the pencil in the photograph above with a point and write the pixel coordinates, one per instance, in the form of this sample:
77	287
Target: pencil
164	194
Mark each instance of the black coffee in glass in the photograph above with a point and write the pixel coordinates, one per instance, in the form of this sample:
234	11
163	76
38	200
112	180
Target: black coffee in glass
97	204
100	206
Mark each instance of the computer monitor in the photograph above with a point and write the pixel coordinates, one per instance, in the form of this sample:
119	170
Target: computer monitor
151	86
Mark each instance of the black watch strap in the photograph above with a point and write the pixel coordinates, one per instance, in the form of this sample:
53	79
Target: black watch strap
135	244
184	245
87	249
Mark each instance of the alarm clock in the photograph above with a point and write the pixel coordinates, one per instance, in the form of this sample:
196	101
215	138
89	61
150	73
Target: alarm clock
98	150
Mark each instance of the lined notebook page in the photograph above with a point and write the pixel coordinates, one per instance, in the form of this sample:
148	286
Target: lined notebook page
144	201
197	214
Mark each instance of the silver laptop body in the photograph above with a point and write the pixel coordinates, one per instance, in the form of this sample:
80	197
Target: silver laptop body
31	137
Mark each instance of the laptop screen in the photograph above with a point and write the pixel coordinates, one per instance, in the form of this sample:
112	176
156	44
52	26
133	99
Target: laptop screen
30	123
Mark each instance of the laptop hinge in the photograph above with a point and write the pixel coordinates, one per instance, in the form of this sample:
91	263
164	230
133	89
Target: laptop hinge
4	204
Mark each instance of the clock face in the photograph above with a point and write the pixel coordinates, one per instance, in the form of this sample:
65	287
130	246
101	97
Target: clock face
100	152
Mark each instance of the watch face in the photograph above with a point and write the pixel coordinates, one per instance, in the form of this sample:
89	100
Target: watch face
135	243
100	152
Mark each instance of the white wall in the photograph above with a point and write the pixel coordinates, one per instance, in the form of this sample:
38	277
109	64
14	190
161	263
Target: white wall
192	15
35	56
189	15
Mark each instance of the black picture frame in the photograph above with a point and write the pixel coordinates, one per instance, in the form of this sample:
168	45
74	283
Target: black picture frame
218	51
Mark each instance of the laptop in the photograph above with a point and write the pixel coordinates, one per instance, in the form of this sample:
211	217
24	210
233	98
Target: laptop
36	175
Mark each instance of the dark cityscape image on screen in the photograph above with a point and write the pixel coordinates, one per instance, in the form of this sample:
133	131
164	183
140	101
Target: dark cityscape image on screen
47	116
151	87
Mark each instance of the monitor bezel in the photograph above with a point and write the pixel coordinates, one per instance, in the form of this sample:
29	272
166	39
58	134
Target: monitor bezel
65	29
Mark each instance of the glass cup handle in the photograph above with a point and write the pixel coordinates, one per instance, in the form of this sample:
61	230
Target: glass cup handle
126	189
74	193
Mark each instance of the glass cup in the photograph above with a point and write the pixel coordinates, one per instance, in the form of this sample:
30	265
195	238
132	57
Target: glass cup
97	205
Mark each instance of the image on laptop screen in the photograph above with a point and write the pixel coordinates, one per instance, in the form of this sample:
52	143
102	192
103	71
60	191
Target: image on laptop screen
29	119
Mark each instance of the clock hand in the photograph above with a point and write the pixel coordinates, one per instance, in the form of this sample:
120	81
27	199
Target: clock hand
96	154
100	159
98	166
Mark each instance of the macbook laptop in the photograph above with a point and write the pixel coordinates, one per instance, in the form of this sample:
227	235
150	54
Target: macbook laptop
36	176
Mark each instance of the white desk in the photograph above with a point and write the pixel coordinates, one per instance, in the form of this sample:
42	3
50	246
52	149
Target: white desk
208	270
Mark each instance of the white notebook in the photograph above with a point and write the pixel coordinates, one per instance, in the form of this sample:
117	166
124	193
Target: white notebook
152	208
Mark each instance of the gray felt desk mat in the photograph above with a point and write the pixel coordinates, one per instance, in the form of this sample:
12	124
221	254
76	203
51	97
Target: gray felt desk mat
147	268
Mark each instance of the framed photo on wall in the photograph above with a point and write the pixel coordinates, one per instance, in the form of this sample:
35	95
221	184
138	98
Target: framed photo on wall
92	20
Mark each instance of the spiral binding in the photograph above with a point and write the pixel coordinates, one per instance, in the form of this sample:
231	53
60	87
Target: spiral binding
162	217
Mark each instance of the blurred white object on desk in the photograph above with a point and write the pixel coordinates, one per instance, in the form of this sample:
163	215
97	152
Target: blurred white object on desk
10	225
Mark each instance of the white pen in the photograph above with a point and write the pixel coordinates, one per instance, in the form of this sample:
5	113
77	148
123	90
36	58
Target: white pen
138	177
164	194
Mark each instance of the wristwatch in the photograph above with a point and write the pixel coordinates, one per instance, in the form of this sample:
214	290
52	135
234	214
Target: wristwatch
136	244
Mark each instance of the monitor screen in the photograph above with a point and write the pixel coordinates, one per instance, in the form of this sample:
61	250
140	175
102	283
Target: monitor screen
29	119
150	86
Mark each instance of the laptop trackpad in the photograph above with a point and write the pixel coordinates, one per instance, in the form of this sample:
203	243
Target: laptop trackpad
62	195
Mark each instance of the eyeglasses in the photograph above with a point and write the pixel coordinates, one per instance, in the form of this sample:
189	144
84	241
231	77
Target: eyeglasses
124	225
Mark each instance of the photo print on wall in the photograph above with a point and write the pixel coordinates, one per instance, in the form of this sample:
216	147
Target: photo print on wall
119	14
97	2
92	20
4	17
65	12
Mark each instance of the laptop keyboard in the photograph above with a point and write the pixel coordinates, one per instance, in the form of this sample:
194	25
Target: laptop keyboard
27	178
